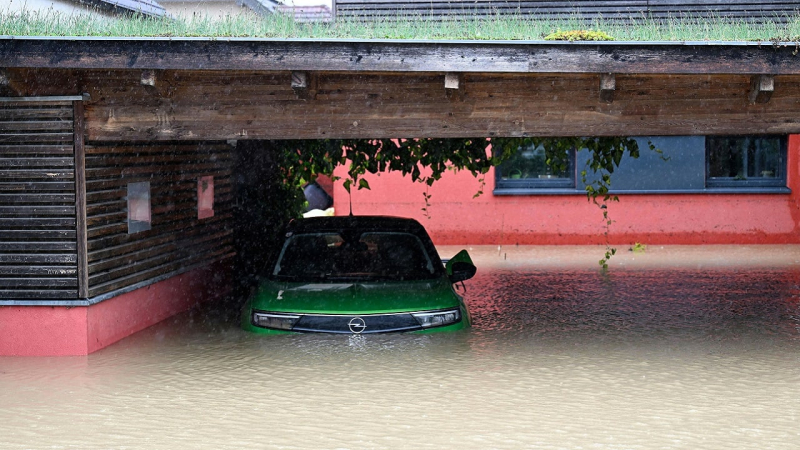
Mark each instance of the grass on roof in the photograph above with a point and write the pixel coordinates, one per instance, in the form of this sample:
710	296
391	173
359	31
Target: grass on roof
501	27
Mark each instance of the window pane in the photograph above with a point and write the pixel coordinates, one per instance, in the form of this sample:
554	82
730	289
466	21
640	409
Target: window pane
531	163
764	157
138	207
372	255
726	157
528	168
205	197
746	160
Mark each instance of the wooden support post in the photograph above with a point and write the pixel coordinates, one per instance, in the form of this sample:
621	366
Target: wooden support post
761	88
80	200
3	77
148	78
608	84
454	85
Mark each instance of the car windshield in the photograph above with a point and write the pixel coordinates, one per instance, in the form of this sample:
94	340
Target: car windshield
354	256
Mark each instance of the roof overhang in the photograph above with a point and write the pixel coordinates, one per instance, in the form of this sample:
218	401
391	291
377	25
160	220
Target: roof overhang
401	55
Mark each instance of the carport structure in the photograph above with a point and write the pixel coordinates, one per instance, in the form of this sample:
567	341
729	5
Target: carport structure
116	155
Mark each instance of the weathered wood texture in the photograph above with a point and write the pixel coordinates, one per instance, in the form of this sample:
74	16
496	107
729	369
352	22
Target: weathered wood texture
248	105
80	200
400	56
178	239
38	256
625	10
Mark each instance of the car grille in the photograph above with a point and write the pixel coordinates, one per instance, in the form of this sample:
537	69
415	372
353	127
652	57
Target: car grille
373	323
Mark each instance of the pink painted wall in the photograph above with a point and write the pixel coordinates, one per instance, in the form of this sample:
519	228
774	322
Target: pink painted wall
62	331
455	217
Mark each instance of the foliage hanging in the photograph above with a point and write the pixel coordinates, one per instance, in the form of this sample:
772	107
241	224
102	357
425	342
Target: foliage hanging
426	160
605	155
304	160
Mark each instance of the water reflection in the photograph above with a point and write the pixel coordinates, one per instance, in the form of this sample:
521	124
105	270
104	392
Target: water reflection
557	359
632	305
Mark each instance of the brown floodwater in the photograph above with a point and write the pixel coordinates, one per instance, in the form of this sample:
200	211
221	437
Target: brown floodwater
561	356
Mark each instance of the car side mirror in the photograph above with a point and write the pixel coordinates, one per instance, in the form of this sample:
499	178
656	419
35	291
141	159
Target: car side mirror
460	267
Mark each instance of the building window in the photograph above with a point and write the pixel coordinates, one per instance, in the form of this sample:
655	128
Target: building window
685	164
205	197
746	161
138	207
528	170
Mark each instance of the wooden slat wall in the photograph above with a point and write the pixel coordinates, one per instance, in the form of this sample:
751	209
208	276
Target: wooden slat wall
752	10
177	239
38	256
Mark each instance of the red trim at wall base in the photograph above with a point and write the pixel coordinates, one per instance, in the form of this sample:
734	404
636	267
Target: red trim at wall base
65	331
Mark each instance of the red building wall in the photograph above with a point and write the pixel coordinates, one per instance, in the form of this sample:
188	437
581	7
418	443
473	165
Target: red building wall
455	217
80	330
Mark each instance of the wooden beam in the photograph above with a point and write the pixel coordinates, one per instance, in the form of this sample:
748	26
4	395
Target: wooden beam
761	88
264	106
608	84
398	56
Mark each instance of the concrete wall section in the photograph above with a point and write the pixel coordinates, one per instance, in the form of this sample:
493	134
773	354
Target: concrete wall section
42	331
71	331
122	316
455	217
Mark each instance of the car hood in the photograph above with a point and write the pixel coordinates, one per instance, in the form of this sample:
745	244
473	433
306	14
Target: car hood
354	297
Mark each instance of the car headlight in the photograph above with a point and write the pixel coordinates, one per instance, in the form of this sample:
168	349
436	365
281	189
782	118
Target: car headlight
276	321
438	318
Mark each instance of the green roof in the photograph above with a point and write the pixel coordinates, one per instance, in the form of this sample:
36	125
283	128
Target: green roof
500	27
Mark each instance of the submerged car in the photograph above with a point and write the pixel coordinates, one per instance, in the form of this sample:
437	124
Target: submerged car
358	275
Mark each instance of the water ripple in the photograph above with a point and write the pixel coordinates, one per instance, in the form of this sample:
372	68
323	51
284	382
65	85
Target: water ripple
557	359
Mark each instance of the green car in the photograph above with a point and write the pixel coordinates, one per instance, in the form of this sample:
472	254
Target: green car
358	275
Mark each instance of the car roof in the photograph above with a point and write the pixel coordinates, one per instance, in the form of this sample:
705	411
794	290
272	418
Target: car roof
335	223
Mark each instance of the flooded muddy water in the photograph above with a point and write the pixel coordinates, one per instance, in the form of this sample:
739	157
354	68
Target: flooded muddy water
561	356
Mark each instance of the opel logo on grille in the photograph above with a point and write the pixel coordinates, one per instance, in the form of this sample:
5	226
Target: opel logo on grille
357	325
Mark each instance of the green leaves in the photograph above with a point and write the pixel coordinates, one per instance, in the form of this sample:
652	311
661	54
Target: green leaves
604	155
426	160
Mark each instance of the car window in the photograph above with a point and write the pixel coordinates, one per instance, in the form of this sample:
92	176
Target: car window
353	255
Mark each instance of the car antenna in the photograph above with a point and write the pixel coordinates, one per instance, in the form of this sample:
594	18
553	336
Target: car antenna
350	197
